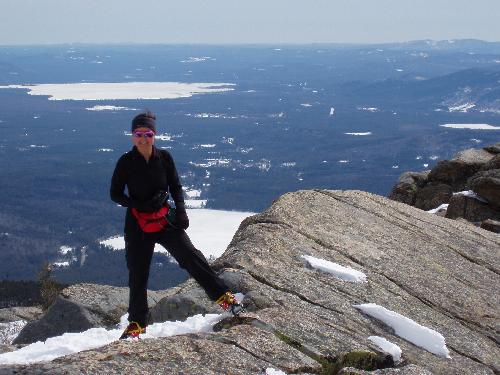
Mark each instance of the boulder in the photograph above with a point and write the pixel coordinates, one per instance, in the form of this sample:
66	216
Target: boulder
487	185
456	171
188	301
406	188
433	195
470	208
440	273
494	163
78	308
491	225
12	314
493	149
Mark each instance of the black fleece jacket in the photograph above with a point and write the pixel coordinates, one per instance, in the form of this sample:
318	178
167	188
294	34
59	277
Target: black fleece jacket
143	180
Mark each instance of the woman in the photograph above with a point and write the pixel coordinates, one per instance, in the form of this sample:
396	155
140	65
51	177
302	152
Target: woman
150	175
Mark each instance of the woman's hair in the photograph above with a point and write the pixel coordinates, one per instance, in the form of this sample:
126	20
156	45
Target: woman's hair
145	119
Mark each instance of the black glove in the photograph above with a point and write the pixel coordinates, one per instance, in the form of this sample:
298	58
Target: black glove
152	205
158	201
182	219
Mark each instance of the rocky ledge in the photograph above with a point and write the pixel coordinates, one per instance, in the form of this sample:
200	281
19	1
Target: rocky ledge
441	274
466	186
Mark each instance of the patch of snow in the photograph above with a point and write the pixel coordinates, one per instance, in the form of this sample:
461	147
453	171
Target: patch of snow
338	271
122	90
365	133
10	330
471	126
443	206
69	343
369	109
61	264
65	250
471	194
163	137
462	107
272	371
408	329
229	140
195	203
387	347
110	108
214	115
197	59
193	193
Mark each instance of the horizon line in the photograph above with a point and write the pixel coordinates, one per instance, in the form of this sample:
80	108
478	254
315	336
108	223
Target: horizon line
128	43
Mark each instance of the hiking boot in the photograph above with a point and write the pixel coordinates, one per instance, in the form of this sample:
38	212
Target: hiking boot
228	302
133	330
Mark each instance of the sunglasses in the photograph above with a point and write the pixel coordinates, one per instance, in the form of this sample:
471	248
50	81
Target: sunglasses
146	134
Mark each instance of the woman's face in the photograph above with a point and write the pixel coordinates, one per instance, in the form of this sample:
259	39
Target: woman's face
143	138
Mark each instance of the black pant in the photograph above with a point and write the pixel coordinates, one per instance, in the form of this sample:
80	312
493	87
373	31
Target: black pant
139	251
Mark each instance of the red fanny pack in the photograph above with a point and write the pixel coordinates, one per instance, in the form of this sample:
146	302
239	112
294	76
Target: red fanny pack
151	222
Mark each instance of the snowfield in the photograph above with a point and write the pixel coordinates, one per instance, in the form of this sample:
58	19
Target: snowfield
471	126
211	231
122	90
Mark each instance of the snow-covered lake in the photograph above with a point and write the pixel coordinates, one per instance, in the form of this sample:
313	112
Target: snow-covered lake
210	231
122	90
471	126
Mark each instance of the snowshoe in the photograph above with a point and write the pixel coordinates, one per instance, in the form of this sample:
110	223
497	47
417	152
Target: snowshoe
133	330
229	303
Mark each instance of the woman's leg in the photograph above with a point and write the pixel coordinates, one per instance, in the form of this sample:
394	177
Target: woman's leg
178	244
138	253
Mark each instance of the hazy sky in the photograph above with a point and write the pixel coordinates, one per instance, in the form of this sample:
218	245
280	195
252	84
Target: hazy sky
255	21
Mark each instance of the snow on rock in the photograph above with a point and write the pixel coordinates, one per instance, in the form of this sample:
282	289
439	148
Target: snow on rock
471	194
408	329
271	371
70	343
471	126
443	206
387	347
338	271
10	330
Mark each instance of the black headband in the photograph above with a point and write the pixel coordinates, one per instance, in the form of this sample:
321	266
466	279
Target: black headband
142	121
